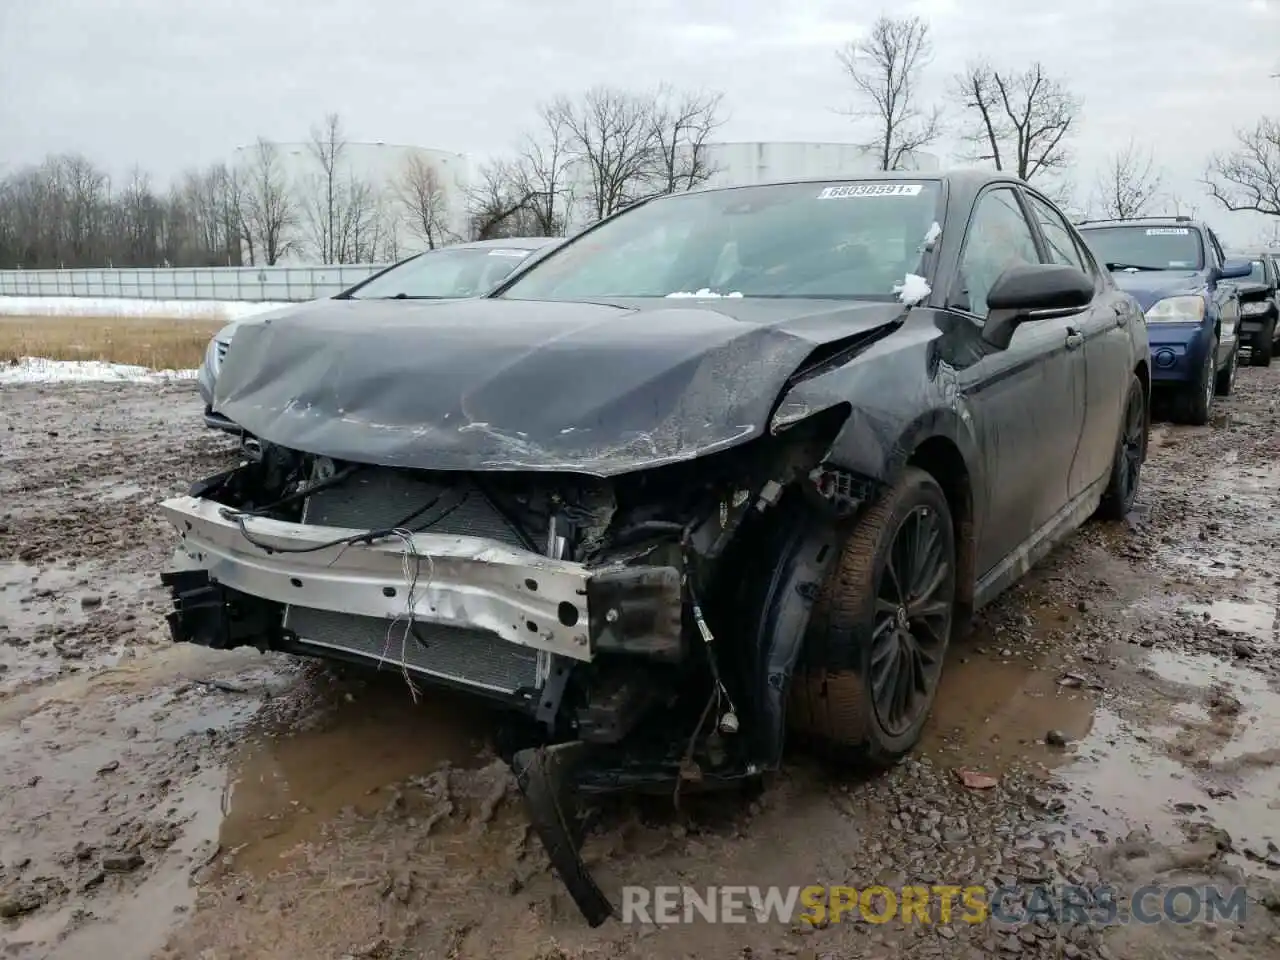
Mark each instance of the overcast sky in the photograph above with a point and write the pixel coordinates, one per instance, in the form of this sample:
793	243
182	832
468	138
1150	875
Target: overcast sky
176	83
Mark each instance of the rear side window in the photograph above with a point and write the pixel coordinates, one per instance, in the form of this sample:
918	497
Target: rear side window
1219	257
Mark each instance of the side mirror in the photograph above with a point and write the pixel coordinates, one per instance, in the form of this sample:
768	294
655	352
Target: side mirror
1033	291
1233	270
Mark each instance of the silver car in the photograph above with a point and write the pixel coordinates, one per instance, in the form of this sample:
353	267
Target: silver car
449	273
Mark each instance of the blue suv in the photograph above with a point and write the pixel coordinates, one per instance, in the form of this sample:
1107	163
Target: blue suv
1174	266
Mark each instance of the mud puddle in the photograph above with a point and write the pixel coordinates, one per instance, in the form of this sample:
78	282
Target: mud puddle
115	796
63	618
292	776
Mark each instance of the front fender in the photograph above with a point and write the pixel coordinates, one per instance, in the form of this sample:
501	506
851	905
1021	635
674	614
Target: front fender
895	401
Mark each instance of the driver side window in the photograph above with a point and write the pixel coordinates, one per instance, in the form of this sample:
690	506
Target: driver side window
999	237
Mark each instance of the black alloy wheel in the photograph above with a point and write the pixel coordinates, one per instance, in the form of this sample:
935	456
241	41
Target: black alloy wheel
878	632
912	623
1131	453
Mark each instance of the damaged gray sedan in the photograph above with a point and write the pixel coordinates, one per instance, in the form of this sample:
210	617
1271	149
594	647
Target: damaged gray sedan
730	465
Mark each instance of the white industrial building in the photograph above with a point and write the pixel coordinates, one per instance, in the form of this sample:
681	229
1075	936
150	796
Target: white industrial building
384	167
738	163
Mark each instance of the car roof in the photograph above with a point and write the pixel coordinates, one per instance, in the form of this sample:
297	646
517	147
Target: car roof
507	243
1169	221
960	181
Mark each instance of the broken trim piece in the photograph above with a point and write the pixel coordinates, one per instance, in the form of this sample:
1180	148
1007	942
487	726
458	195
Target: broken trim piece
466	582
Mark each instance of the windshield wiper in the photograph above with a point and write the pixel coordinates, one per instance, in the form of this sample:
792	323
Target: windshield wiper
1130	266
408	296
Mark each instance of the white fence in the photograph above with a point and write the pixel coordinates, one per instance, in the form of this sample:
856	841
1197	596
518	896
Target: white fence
249	284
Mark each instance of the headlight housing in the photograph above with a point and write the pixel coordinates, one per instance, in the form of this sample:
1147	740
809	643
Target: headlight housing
1177	310
1254	308
217	350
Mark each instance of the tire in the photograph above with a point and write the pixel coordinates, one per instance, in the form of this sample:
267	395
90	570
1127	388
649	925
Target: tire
1225	384
1197	397
832	695
1131	451
1260	356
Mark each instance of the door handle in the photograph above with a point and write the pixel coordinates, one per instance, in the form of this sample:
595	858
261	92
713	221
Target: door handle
1074	340
1122	314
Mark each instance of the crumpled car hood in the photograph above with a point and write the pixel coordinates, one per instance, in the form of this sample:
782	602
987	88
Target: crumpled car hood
1148	286
494	384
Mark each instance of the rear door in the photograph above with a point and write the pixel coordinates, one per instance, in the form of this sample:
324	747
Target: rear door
1028	400
1105	328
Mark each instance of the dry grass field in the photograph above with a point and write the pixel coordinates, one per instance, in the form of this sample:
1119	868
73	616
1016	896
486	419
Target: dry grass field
155	342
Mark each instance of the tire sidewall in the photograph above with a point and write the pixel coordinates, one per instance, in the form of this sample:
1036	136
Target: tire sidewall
1118	465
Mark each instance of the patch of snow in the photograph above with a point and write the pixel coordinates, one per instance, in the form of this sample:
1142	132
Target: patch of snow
934	233
706	293
113	307
40	370
912	290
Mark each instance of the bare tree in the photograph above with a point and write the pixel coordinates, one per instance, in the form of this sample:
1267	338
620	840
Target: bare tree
682	123
268	209
1128	184
499	203
423	201
1181	207
1248	178
323	203
544	173
1020	122
358	229
611	136
884	68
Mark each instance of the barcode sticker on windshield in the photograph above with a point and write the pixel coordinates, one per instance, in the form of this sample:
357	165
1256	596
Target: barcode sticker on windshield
508	253
1168	232
850	190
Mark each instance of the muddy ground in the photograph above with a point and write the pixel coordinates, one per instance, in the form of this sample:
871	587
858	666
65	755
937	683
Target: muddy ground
174	802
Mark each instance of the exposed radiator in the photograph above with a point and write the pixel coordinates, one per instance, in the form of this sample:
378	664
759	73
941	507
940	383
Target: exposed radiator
380	498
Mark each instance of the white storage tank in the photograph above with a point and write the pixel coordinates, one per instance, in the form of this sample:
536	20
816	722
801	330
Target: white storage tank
737	163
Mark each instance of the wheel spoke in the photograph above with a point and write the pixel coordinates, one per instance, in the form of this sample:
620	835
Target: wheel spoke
924	596
884	671
890	568
916	586
924	611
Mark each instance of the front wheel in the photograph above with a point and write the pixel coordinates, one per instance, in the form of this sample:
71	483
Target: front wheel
874	649
1260	356
1197	397
1131	451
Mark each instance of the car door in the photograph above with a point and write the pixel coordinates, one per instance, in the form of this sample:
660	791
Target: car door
1027	401
1225	300
1108	364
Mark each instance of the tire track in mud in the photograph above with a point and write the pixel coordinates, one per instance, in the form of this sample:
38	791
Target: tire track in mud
323	815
